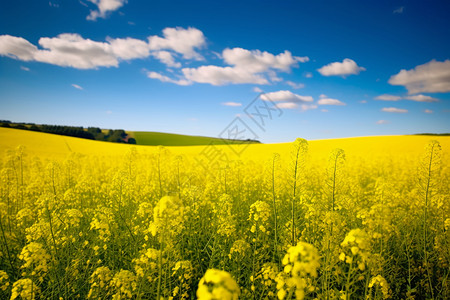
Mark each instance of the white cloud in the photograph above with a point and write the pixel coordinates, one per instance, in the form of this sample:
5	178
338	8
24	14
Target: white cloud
417	98
104	7
363	101
235	104
129	48
346	67
330	101
428	111
72	50
432	77
422	98
295	85
246	66
17	47
257	90
256	61
286	96
180	40
305	107
77	86
24	68
386	97
166	58
308	75
381	122
394	110
287	105
160	77
399	10
324	110
222	75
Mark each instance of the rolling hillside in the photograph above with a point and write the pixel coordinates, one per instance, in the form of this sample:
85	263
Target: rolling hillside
49	146
171	139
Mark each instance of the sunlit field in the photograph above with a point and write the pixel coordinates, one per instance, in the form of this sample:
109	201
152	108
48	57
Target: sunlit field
356	218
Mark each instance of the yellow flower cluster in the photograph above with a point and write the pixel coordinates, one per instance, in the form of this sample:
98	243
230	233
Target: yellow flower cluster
356	245
259	215
382	283
217	285
184	272
300	265
123	285
101	223
4	280
146	265
36	260
73	217
168	216
99	281
224	217
24	289
239	250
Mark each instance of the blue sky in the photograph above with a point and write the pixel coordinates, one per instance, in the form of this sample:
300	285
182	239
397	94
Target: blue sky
333	68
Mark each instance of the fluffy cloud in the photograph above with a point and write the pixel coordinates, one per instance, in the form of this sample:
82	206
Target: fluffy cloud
129	48
166	58
257	90
422	98
417	98
330	101
381	122
394	110
222	75
72	50
285	96
235	104
256	61
295	85
428	111
305	107
245	66
155	75
287	105
17	47
432	77
69	50
24	68
386	97
346	67
180	40
104	7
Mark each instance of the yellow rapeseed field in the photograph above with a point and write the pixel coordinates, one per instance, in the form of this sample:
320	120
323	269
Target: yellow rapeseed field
356	218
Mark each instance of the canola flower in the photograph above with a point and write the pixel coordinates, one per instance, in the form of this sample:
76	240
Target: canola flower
147	224
99	282
217	285
24	289
123	285
301	263
4	280
379	281
36	260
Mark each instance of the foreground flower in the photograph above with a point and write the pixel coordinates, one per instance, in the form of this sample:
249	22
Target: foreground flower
25	289
217	285
300	264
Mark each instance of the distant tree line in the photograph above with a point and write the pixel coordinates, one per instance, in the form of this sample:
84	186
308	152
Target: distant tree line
91	133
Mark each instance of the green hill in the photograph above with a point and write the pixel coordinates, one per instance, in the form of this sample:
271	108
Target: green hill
171	139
